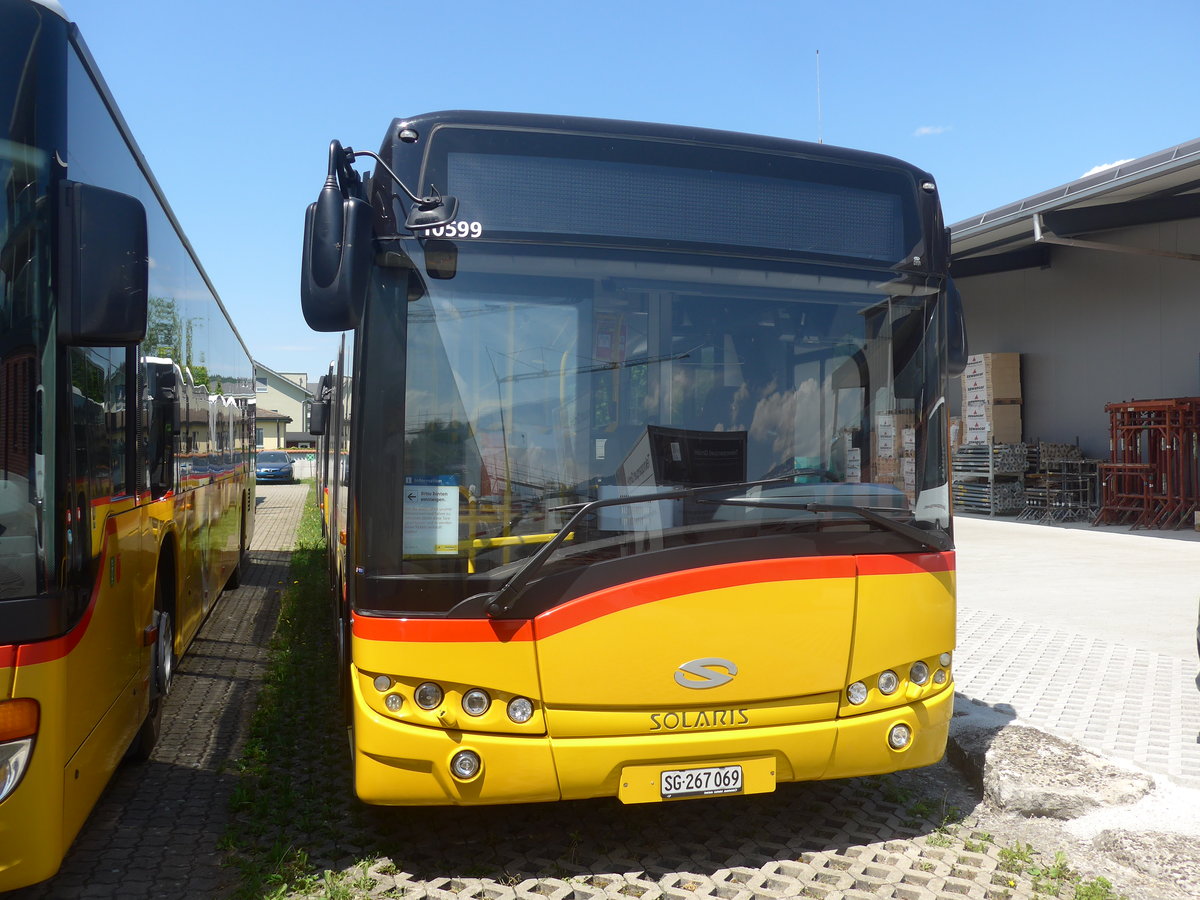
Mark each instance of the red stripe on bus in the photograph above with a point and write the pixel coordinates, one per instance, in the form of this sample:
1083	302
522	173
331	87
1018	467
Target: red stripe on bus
589	607
467	631
8	656
692	581
909	564
59	647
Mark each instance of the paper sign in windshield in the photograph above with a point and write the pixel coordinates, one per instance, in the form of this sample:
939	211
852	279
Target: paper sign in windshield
430	515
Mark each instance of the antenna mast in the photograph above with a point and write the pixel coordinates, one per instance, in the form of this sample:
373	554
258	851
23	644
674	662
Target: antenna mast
820	135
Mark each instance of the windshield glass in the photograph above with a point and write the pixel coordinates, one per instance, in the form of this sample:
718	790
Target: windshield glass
274	457
28	37
540	378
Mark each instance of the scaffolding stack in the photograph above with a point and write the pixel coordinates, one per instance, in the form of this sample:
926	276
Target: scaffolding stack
1152	480
988	478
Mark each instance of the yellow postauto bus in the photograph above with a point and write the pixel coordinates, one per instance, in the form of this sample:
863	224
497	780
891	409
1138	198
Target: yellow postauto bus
635	463
126	429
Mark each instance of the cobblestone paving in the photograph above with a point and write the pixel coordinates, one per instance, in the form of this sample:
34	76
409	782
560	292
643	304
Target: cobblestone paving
155	831
920	835
1117	700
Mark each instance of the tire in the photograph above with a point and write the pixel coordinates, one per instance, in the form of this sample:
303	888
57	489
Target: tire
161	674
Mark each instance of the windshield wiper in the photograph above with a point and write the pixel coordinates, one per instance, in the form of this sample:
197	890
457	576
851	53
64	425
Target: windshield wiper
932	539
502	600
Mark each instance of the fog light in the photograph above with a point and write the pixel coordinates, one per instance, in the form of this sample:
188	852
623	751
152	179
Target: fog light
939	677
899	736
520	710
476	702
919	673
944	659
428	695
382	683
393	702
857	693
464	764
888	682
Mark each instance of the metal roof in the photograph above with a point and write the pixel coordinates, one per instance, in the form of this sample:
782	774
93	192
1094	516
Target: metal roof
1163	186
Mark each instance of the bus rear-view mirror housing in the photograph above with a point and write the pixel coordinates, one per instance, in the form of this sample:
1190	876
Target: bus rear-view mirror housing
336	260
103	268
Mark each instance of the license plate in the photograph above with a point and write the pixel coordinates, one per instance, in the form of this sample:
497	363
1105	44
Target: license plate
702	782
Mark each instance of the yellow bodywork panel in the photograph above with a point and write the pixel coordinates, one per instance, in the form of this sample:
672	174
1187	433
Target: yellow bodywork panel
744	665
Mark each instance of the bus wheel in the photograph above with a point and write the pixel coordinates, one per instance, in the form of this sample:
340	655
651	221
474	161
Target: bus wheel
162	671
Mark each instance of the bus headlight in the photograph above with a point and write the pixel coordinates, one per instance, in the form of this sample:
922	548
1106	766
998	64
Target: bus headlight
944	659
393	702
476	702
857	693
382	683
888	682
520	710
919	673
14	758
428	695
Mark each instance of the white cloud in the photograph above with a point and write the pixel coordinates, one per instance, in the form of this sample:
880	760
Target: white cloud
926	130
1097	169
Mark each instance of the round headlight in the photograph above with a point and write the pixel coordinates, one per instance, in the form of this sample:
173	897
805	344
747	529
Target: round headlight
428	695
939	677
393	702
465	764
919	673
476	702
382	683
857	693
520	710
888	682
899	736
944	659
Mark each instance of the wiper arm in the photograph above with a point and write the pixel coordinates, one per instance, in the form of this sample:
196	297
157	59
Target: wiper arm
503	599
931	539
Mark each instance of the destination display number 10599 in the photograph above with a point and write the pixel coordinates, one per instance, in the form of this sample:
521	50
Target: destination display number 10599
456	230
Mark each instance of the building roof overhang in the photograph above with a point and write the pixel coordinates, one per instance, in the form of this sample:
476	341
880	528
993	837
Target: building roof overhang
1161	187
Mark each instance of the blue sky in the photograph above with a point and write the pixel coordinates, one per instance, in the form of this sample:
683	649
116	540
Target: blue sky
234	103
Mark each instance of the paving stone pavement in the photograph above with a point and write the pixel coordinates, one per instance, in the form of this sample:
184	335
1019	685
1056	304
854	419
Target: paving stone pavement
1118	700
156	829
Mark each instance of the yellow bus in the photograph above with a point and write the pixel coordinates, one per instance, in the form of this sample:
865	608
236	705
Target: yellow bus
126	434
636	464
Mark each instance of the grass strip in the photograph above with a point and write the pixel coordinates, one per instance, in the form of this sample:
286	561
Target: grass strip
292	776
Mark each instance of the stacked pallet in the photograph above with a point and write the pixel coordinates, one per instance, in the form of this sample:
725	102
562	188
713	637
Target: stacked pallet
991	395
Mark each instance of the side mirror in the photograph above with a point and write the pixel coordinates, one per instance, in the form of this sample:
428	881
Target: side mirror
336	260
956	331
103	269
318	410
318	417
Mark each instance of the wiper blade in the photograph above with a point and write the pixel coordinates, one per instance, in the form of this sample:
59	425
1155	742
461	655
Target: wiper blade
932	539
502	600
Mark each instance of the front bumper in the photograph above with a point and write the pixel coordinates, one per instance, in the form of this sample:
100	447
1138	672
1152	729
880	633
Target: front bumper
396	764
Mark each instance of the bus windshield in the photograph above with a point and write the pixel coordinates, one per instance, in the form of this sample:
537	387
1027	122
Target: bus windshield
541	377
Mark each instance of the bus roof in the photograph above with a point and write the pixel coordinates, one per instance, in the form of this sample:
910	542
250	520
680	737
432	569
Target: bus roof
628	128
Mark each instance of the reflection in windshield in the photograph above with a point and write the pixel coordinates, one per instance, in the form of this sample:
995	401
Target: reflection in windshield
24	276
533	386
